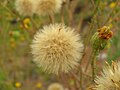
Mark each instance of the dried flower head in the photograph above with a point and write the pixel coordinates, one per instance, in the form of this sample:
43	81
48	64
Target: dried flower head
57	48
55	86
44	7
25	7
105	33
110	77
101	38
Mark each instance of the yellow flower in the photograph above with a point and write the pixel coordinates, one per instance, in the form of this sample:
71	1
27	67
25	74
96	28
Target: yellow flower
26	23
26	20
26	26
18	84
39	85
112	5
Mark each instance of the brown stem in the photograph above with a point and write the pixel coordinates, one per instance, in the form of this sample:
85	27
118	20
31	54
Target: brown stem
79	24
81	78
70	9
92	61
62	14
93	65
64	80
86	68
76	80
69	15
51	17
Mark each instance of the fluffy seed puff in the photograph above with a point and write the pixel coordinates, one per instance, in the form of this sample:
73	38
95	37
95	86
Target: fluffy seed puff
25	7
57	48
47	7
55	86
110	78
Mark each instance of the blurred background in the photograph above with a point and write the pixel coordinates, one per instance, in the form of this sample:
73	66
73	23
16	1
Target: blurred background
17	70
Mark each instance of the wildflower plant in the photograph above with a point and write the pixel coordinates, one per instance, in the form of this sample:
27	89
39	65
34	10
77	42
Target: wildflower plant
18	84
48	7
55	86
57	48
63	41
25	7
101	39
110	77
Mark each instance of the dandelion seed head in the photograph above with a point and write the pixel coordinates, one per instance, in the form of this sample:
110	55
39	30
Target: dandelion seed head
25	7
44	7
110	78
57	48
55	86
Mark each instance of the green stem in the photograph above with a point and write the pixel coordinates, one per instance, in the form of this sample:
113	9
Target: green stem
34	24
93	65
110	15
12	13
